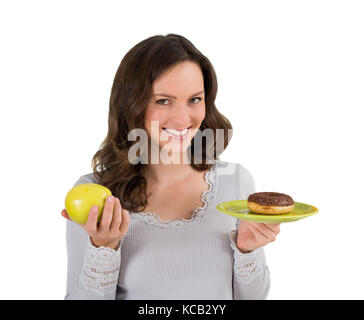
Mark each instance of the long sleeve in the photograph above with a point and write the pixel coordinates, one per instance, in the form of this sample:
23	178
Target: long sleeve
251	276
92	273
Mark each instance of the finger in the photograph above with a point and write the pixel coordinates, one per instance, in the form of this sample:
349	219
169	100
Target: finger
117	216
125	223
256	231
65	214
91	223
263	229
275	227
107	213
260	237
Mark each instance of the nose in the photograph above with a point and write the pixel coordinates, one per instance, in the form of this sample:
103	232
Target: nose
181	116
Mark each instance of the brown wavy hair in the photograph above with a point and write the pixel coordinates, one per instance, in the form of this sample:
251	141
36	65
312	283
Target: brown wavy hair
130	95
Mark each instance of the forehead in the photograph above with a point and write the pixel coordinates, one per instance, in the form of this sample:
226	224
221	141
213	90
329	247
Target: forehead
183	79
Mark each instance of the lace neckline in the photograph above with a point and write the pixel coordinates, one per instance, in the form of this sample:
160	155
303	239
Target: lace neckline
198	213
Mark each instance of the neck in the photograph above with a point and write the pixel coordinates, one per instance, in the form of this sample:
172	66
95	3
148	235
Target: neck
168	173
169	169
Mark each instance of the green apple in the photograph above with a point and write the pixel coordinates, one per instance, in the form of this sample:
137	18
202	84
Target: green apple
81	198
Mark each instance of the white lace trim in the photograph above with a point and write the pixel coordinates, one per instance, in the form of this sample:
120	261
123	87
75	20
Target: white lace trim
246	265
100	270
198	213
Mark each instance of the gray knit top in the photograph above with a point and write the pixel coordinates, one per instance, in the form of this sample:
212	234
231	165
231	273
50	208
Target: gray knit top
173	259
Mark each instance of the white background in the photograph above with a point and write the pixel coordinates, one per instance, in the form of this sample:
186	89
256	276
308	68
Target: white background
291	79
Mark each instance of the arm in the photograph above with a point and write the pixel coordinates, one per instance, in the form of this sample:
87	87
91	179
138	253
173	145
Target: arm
92	272
251	276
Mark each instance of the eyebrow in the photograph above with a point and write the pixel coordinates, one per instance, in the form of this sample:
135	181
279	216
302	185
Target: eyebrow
173	97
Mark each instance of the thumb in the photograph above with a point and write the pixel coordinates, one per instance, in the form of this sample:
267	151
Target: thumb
65	214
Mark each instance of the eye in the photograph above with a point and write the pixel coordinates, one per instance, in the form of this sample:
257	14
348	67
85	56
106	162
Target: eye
158	101
199	99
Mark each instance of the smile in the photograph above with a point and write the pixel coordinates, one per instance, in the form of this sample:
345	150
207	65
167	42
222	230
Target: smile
179	134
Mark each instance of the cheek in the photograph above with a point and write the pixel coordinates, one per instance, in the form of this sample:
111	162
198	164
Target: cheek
199	113
154	115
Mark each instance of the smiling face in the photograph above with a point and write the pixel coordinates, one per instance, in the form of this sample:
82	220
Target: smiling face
178	106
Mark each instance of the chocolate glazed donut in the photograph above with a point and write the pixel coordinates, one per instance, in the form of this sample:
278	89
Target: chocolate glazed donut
270	203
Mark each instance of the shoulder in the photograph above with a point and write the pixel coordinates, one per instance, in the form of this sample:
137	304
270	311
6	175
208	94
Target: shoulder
232	168
236	174
86	178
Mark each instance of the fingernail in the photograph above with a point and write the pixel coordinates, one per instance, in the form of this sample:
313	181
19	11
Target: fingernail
110	198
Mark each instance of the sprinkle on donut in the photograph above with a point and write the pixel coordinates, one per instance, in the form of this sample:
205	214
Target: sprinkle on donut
270	203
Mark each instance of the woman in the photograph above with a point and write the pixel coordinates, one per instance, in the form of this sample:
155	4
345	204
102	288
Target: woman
161	236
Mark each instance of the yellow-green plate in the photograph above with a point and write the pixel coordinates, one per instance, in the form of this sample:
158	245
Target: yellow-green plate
239	209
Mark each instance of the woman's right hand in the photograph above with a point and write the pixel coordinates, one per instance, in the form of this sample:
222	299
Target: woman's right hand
113	226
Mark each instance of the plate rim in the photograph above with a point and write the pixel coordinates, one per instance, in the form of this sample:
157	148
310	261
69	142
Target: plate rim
269	218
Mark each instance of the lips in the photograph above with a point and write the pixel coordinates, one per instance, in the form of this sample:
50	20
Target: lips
177	133
175	129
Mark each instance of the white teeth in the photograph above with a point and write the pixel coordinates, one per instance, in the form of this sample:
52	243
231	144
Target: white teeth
177	133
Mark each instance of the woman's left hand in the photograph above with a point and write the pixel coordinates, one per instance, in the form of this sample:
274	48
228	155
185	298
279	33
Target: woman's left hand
252	235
